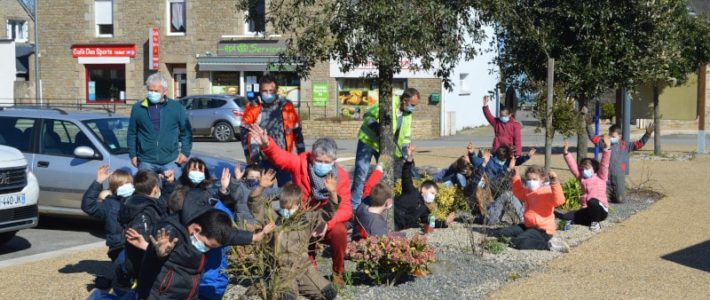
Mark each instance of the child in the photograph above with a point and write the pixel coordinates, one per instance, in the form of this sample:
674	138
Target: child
412	207
620	151
369	218
593	177
237	192
538	226
293	242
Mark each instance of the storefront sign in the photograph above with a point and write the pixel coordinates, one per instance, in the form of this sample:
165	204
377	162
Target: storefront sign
154	49
79	51
320	94
251	48
370	69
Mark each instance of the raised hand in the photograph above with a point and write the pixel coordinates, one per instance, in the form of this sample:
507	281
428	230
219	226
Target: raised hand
532	152
259	135
650	128
102	174
410	151
268	178
486	156
566	147
162	243
225	179
607	140
238	173
485	100
513	172
450	218
136	239
331	184
553	176
470	148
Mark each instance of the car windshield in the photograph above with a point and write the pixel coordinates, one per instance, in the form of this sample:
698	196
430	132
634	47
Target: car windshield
112	132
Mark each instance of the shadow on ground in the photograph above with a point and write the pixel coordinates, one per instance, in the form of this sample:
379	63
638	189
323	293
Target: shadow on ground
17	243
695	256
92	226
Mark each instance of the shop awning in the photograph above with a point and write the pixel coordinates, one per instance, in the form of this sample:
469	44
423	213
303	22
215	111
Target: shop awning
22	55
234	63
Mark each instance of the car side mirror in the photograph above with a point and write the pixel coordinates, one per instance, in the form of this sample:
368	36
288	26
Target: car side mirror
85	152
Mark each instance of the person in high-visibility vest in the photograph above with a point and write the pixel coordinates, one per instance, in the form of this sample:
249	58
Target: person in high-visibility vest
369	139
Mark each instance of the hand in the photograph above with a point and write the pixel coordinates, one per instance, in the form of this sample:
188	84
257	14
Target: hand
450	218
513	172
162	244
532	152
268	178
331	184
259	135
102	174
225	180
134	162
566	147
169	176
181	159
380	167
485	100
410	152
607	140
486	156
136	239
238	173
553	176
320	233
470	148
511	162
269	228
650	128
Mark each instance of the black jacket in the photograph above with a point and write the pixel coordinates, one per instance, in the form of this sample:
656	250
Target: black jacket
106	211
409	208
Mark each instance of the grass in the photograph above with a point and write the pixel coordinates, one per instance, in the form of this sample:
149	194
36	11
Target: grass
496	246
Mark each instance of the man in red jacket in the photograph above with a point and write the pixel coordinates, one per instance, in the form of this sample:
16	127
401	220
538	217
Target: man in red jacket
325	186
506	128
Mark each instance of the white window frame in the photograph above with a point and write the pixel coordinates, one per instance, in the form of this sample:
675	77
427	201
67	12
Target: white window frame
464	86
20	29
96	21
169	21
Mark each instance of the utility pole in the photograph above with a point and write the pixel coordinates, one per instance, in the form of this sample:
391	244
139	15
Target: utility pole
627	120
549	131
32	12
702	74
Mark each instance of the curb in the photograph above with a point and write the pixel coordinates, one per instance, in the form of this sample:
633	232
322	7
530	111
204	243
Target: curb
51	254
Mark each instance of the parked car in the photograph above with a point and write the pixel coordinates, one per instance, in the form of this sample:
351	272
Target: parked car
64	149
18	193
217	116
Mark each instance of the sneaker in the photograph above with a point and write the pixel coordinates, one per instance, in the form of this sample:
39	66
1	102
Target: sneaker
558	245
595	227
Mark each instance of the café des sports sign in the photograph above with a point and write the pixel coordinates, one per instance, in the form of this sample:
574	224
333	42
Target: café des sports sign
251	48
79	51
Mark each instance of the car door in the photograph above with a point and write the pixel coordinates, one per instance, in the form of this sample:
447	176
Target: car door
63	177
187	104
201	117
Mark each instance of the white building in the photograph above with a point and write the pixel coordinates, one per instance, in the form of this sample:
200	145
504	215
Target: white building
8	73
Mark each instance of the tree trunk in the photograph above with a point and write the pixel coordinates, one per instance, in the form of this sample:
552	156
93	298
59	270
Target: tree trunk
549	131
384	82
582	137
657	122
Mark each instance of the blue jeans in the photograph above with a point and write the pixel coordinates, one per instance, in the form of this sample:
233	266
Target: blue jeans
159	169
363	158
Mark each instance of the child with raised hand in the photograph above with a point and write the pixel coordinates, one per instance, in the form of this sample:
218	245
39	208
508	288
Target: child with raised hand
538	227
235	192
592	176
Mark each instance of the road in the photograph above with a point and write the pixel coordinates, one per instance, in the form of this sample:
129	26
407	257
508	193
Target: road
55	233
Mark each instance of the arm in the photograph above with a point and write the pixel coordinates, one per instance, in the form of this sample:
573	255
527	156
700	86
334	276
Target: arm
604	165
345	208
239	238
487	113
374	179
521	159
476	160
558	196
595	139
572	165
518	188
281	158
407	183
300	142
131	134
637	145
256	204
89	204
185	136
517	139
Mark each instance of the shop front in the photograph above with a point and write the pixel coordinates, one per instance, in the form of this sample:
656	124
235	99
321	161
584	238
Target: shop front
105	71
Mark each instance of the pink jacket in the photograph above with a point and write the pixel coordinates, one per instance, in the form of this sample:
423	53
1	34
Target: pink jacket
595	186
506	133
539	204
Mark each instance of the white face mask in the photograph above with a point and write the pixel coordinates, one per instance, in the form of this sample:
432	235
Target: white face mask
429	198
125	190
534	184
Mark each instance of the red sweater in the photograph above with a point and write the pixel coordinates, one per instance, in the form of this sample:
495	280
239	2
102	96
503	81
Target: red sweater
297	165
505	133
539	204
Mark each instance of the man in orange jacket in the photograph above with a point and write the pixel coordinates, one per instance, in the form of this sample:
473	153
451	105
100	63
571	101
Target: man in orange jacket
280	120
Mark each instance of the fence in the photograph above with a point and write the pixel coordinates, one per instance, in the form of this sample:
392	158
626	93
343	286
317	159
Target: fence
67	104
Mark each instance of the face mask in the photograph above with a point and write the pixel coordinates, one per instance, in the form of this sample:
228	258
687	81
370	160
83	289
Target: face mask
504	119
322	169
199	245
268	98
252	183
482	184
588	173
125	190
196	177
154	97
287	213
499	161
409	108
614	140
534	184
429	198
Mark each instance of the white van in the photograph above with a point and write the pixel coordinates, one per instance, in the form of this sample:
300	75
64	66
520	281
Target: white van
19	192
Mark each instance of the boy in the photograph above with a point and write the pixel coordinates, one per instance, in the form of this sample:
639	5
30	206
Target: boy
293	242
412	207
369	218
620	151
237	192
539	225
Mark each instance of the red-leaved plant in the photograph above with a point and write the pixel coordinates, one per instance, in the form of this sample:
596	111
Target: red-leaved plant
386	259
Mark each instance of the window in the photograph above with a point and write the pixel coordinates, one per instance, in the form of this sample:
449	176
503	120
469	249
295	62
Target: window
105	83
16	132
225	83
61	138
216	103
104	18
112	133
464	88
256	18
357	94
17	30
200	103
176	13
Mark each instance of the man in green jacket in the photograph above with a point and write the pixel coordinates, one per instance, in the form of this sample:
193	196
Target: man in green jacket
369	139
159	133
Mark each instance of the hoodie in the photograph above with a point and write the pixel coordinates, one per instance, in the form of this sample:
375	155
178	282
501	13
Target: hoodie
106	211
409	208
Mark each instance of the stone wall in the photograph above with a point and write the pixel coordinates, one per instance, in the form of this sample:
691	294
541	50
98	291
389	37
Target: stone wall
312	129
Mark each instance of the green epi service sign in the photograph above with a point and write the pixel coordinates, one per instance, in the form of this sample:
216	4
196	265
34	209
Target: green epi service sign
320	94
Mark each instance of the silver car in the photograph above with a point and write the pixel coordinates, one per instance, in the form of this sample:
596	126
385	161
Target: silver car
217	116
64	149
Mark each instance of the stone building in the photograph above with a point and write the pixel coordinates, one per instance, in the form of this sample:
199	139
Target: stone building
18	26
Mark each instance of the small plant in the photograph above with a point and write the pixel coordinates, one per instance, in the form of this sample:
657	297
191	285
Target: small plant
495	246
513	276
449	198
386	259
572	190
608	111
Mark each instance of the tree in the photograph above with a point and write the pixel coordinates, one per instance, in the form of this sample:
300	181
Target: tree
429	33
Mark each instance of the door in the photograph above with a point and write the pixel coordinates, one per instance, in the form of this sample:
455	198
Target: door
63	178
202	117
180	83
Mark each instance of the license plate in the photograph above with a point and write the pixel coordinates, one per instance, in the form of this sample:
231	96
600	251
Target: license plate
12	200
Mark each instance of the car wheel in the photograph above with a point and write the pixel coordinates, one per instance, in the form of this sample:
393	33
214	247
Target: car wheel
6	237
223	132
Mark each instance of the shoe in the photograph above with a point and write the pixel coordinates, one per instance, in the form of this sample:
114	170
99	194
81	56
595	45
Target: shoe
558	245
337	280
595	227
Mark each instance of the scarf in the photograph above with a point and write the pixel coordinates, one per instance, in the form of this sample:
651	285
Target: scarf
318	190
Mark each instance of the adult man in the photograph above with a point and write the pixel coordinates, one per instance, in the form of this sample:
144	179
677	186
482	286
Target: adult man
159	133
505	127
280	120
369	139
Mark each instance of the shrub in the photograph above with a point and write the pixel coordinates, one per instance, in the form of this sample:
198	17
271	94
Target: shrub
572	190
386	259
449	198
608	111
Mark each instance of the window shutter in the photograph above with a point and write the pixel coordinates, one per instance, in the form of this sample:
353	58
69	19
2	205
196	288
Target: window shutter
9	29
25	36
104	12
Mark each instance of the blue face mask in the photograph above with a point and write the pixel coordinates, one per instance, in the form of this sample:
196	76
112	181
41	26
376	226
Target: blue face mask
588	173
505	119
409	108
154	97
199	245
252	183
286	213
196	177
614	140
268	98
322	169
125	190
499	161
